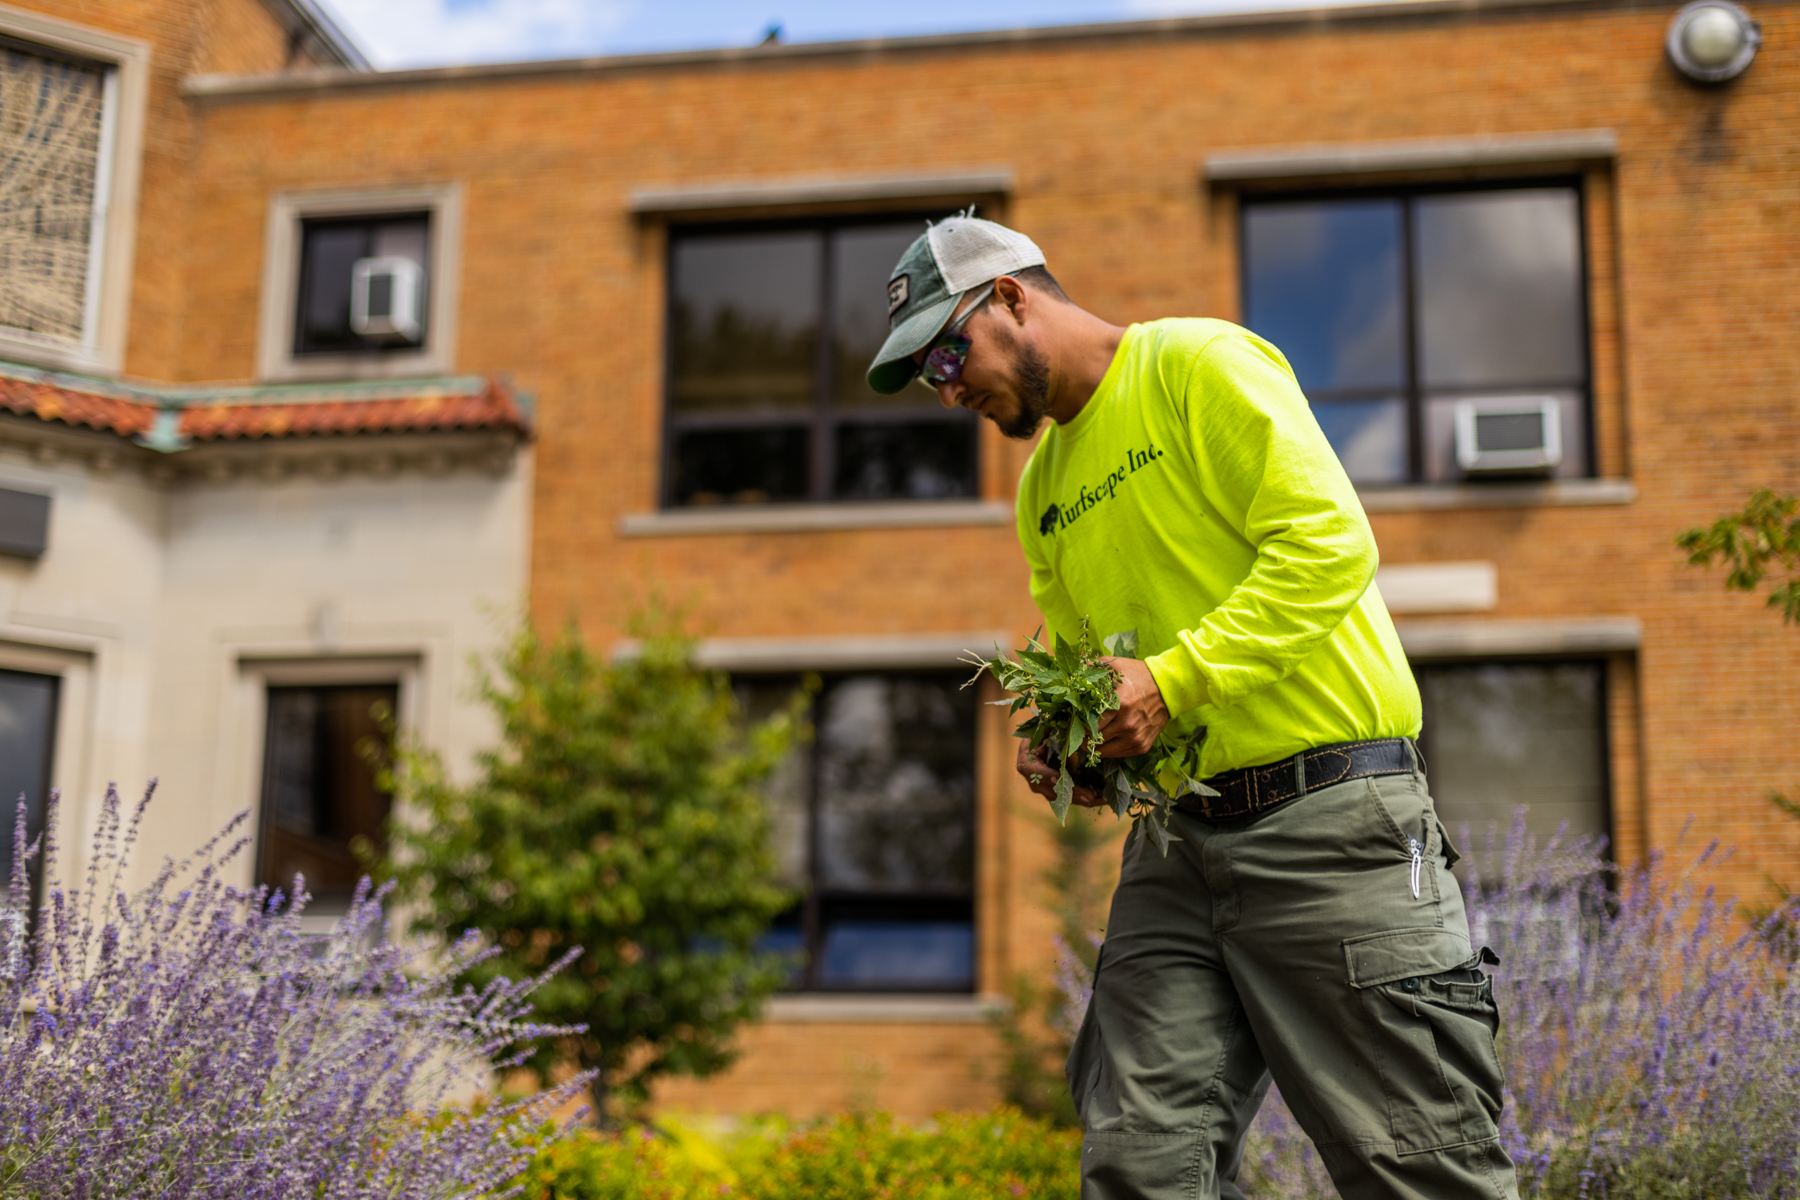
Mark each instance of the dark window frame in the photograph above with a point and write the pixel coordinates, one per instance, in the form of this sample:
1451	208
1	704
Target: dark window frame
823	418
1413	391
812	906
1605	664
296	350
324	900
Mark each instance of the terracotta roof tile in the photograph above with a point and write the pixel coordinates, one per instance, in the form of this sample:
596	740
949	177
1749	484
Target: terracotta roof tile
35	398
237	414
492	407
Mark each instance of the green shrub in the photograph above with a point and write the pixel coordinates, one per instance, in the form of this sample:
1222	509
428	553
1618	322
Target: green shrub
621	813
636	1164
996	1156
1002	1155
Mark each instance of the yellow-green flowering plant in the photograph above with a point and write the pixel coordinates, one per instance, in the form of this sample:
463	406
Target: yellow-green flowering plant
1070	688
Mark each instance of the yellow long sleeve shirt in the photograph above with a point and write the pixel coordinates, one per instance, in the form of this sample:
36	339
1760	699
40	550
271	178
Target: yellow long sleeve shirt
1195	499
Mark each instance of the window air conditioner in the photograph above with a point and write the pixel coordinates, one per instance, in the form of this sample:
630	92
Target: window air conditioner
1508	433
386	295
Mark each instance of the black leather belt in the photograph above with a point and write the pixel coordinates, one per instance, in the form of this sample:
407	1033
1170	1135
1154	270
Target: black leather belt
1250	790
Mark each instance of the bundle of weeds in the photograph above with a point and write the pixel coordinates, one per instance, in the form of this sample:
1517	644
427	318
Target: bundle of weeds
1070	688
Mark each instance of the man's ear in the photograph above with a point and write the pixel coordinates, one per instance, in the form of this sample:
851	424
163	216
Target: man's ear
1014	296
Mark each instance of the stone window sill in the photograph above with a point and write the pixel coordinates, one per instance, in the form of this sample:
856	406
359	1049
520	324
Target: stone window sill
883	1009
1561	493
815	518
831	518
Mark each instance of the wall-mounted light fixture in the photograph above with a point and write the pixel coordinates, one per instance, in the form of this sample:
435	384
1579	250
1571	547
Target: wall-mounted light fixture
1711	41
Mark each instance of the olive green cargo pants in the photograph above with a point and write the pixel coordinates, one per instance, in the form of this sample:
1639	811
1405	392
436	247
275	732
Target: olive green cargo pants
1291	945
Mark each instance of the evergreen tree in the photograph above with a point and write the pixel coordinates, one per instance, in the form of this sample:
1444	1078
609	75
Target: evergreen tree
620	815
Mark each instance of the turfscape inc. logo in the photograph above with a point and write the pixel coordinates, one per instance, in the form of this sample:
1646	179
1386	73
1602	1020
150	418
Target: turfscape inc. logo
1061	516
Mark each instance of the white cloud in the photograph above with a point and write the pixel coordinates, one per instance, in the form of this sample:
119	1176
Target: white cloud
409	33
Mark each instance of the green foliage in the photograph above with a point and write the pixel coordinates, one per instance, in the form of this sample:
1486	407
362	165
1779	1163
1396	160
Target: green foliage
997	1156
1070	689
1765	535
634	1164
620	815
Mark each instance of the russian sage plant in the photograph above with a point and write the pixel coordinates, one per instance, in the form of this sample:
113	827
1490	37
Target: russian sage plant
1650	1033
189	1040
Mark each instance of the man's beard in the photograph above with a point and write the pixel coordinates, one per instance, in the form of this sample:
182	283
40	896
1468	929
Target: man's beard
1031	385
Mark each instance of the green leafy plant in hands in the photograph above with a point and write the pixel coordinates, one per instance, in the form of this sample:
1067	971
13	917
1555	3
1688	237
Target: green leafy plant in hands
1070	688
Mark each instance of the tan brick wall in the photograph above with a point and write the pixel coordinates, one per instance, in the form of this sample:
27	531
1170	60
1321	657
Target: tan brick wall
1695	296
241	37
808	1069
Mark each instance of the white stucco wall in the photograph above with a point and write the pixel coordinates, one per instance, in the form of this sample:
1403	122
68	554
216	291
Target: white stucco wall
169	608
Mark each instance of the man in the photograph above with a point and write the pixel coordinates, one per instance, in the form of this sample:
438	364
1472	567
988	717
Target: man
1305	926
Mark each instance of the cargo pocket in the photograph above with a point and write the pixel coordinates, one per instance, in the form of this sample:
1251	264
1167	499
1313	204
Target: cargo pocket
1433	1016
1083	1067
1452	855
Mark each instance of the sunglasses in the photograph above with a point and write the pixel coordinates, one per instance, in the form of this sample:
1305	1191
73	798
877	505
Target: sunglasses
944	361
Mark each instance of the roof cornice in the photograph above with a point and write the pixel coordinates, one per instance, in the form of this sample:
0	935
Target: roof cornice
224	88
170	419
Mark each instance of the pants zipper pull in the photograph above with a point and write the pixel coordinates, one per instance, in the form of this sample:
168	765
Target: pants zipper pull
1418	863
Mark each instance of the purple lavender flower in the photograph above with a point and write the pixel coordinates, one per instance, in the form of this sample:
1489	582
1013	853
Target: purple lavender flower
1650	1032
188	1041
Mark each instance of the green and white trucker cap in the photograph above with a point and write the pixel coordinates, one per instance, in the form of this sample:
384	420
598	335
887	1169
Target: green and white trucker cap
949	259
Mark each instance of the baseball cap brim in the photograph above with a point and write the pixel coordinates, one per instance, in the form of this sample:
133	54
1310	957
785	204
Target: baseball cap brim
893	367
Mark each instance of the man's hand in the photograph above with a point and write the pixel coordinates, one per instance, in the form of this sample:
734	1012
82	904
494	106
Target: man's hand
1133	726
1042	778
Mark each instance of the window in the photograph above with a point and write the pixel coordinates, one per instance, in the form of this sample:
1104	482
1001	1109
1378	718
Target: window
1503	735
360	285
27	735
875	822
51	118
71	118
771	328
1394	308
319	794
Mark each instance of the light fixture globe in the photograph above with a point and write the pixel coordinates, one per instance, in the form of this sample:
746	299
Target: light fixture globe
1711	41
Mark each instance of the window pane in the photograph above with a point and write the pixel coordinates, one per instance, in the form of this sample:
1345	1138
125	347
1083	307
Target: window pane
27	729
1499	279
745	320
862	260
897	785
920	944
1369	437
319	791
786	936
930	460
1498	736
328	254
50	116
1322	282
741	466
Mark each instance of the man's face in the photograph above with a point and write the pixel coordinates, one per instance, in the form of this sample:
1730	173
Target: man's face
1004	377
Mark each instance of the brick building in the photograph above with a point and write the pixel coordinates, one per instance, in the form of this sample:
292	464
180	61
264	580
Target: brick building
1455	218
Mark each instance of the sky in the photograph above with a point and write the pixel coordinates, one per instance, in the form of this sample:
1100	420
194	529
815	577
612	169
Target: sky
418	33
